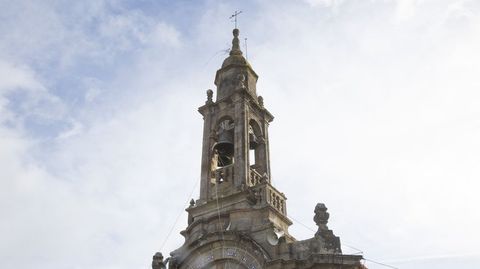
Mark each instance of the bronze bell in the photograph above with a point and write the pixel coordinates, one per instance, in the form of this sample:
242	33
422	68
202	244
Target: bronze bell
224	146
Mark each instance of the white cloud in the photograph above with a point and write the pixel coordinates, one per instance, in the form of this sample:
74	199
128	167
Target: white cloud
165	34
68	198
406	9
378	116
36	101
14	77
324	3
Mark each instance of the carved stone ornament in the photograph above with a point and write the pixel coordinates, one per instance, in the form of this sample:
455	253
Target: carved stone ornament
158	262
260	101
321	217
209	97
241	81
253	196
330	241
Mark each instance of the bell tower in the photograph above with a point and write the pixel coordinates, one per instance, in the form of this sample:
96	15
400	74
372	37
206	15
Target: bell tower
235	136
240	219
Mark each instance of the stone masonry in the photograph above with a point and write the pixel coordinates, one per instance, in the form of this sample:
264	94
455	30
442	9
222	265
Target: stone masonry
240	219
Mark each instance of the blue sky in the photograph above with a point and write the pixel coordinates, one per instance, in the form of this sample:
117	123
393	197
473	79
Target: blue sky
376	107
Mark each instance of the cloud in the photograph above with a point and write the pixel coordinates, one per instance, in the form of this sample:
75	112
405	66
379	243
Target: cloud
16	77
23	96
378	115
53	202
324	3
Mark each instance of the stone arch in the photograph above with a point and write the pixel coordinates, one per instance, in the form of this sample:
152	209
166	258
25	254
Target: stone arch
225	263
222	118
256	127
231	246
223	148
255	138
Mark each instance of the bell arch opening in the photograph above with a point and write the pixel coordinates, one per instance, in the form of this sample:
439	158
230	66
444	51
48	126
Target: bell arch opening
254	135
223	149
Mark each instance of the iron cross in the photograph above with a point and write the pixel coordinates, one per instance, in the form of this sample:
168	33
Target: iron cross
234	16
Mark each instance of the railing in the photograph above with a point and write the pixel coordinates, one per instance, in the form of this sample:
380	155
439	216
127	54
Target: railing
276	199
268	194
272	197
254	177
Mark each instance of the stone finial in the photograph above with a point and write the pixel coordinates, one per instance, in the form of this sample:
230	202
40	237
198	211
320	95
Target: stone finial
192	203
235	43
330	241
260	101
241	81
321	217
158	262
209	97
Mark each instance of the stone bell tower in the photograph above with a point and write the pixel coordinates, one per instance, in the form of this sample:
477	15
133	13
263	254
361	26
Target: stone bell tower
235	136
240	219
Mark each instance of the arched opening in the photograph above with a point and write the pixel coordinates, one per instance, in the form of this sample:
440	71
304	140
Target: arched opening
224	146
254	137
251	157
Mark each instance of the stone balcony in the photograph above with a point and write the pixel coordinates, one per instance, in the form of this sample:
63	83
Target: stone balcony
275	198
267	193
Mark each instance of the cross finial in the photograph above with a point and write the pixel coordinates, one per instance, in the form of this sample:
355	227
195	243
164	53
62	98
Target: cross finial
234	16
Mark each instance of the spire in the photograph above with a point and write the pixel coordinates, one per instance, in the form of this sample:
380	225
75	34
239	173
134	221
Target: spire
236	55
235	66
235	43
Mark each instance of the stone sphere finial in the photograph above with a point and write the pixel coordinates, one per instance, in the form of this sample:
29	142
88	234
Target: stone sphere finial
236	32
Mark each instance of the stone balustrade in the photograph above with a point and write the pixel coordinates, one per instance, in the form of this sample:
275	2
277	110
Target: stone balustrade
276	199
254	177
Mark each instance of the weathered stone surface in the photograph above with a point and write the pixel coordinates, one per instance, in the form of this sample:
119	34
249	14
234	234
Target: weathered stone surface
158	262
240	219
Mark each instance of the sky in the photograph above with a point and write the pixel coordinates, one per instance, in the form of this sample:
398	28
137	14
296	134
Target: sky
377	115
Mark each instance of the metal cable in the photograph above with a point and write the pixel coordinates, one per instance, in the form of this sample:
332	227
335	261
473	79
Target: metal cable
360	251
179	215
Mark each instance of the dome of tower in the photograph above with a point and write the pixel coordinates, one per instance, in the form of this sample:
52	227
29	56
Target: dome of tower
234	60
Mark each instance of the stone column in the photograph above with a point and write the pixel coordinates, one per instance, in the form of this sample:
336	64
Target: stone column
206	152
266	148
241	140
